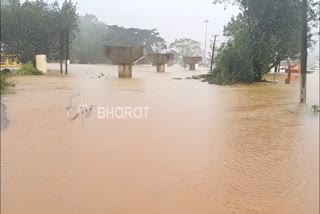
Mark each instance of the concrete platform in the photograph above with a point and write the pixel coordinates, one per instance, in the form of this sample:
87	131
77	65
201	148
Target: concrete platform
192	61
124	57
160	60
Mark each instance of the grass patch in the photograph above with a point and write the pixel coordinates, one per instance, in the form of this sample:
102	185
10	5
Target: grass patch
28	69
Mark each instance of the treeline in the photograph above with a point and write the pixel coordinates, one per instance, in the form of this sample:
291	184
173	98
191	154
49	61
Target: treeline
33	28
260	37
94	35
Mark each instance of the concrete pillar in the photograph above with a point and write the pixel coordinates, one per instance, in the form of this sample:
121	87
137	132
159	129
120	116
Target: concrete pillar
192	67
41	63
125	71
161	68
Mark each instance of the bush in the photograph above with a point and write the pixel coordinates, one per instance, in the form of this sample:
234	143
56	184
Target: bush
28	69
5	82
315	109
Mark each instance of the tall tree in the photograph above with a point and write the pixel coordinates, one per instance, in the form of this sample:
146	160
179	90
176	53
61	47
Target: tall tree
116	35
34	28
304	50
88	46
94	35
4	2
263	34
185	47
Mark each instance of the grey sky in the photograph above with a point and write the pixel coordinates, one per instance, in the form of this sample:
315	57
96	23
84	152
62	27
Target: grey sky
173	18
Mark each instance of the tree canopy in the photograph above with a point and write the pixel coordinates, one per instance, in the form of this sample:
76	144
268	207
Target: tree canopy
87	46
185	47
263	34
94	35
4	2
34	28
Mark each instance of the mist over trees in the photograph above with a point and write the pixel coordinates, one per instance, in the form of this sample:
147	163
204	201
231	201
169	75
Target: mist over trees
185	47
34	28
4	2
94	35
263	34
87	46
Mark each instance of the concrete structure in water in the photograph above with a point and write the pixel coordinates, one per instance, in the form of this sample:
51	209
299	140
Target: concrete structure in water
124	57
192	61
160	60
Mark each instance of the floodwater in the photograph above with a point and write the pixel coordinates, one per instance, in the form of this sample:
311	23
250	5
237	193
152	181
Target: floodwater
202	149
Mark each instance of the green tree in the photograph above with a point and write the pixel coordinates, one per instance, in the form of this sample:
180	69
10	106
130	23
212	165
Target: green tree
185	47
34	28
263	34
121	36
87	46
4	2
94	35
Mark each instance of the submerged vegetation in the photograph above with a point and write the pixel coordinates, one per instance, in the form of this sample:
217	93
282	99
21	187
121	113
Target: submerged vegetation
213	79
5	82
315	109
28	69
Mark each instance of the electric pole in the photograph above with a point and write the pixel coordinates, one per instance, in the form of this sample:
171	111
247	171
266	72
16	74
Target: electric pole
61	50
304	51
67	50
64	49
212	55
205	43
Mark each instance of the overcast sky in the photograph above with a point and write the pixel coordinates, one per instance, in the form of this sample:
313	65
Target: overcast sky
173	18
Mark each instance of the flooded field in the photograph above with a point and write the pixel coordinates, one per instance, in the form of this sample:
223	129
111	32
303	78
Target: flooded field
202	149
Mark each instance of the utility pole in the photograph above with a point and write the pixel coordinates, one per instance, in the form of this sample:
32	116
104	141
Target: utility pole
67	50
64	49
61	51
205	43
212	55
304	51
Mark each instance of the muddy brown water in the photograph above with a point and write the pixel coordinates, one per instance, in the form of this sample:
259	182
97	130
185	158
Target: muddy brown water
203	148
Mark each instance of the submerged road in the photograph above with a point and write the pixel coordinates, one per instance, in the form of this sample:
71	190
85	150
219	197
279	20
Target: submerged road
202	148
